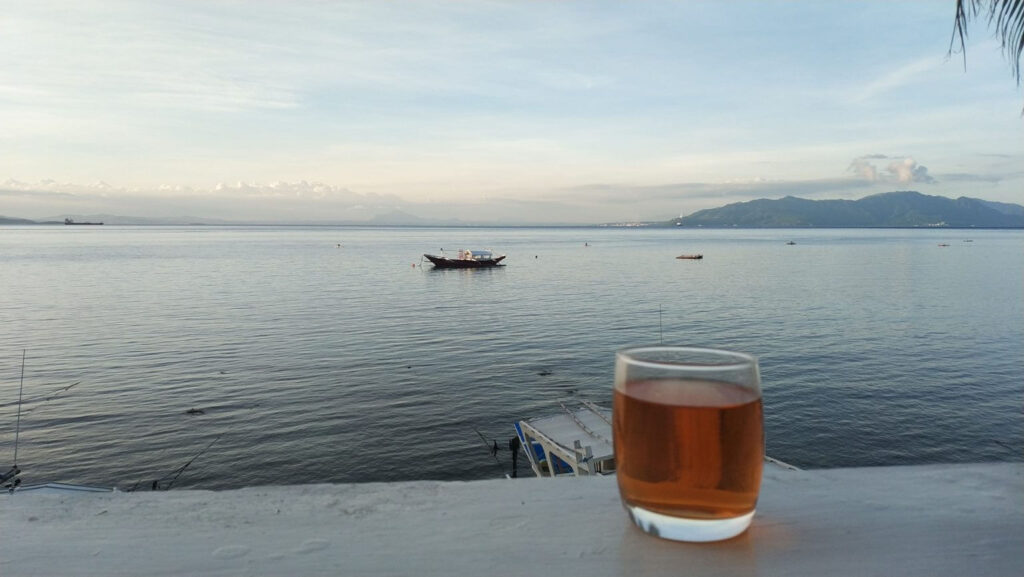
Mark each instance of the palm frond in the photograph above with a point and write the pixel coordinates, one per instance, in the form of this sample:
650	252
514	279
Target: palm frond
1005	16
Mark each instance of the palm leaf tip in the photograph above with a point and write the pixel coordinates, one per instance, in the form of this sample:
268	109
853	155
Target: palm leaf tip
1005	16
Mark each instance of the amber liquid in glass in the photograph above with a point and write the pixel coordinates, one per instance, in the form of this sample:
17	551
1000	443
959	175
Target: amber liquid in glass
688	448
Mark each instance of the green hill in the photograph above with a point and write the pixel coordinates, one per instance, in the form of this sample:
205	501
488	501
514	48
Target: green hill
903	209
9	220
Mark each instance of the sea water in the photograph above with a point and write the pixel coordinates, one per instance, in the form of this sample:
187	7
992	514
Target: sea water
335	354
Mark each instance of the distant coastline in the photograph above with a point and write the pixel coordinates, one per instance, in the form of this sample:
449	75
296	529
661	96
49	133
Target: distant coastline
900	209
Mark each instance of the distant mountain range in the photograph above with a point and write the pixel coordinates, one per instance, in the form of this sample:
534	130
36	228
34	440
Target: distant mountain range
393	218
9	220
903	209
115	219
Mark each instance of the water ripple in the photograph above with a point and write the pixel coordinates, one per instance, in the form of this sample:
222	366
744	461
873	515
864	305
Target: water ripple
322	364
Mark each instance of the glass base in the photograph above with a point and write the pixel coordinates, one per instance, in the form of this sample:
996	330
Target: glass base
692	530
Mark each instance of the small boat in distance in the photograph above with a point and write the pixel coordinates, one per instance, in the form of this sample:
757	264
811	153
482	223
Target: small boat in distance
690	256
71	221
467	259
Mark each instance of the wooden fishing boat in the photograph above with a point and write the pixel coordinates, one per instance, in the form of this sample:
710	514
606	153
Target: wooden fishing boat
690	256
467	259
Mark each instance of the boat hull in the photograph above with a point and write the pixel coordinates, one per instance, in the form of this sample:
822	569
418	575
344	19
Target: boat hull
444	262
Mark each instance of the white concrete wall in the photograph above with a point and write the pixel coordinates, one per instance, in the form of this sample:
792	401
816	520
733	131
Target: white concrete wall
959	520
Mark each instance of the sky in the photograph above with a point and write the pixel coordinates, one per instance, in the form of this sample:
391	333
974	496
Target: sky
493	112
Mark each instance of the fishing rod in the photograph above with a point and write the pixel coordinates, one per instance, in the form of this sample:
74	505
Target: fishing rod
10	478
49	397
155	486
181	469
493	449
513	447
661	333
21	390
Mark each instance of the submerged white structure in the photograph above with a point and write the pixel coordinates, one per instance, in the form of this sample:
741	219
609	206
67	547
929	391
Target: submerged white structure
571	443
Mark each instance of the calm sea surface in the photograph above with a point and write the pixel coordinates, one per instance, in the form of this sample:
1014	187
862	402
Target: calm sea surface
314	362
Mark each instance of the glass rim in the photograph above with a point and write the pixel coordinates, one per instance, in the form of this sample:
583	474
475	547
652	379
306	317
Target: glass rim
730	359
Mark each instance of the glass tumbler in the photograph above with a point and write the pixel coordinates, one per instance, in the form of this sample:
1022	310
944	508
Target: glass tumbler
689	440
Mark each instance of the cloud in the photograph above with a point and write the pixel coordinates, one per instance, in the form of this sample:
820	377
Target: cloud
52	188
864	169
902	169
968	177
241	201
896	78
305	201
689	191
301	190
908	170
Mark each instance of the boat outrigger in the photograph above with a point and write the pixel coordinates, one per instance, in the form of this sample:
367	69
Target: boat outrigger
576	442
466	259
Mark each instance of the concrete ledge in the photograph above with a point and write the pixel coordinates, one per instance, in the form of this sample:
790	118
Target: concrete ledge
925	520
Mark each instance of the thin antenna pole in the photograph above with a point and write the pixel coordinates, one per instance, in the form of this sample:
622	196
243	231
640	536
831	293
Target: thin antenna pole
17	428
661	334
